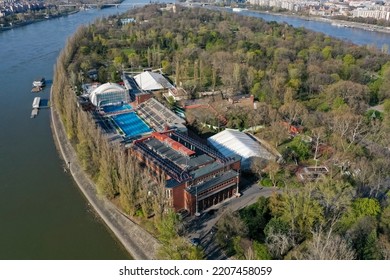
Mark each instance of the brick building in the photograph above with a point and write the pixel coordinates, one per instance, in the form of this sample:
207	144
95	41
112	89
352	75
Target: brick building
197	177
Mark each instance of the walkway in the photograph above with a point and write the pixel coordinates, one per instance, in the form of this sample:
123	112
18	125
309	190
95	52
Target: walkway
139	243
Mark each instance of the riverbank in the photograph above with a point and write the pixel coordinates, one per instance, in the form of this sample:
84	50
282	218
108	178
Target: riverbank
334	22
139	243
24	23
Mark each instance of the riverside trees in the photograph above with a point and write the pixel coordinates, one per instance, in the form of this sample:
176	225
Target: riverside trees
298	77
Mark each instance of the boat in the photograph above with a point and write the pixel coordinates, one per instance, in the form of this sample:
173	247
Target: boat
34	113
39	82
36	102
237	10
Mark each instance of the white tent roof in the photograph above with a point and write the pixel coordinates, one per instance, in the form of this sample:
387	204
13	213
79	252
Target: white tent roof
152	81
230	141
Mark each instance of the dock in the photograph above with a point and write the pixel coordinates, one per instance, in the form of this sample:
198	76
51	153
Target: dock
34	113
36	89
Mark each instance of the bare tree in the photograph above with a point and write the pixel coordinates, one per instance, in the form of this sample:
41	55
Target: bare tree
279	243
328	246
159	196
318	135
293	112
348	127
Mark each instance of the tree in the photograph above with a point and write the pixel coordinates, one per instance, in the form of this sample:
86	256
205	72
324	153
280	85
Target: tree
260	251
168	227
386	106
360	208
256	217
129	183
318	134
366	207
293	112
159	197
299	208
277	133
348	128
363	236
299	149
384	88
230	226
258	165
384	222
327	246
378	179
335	197
279	238
272	170
352	93
108	177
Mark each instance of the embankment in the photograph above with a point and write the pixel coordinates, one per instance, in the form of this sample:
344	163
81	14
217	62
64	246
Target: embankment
139	243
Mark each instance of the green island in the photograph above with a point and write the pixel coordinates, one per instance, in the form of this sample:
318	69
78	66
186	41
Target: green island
319	105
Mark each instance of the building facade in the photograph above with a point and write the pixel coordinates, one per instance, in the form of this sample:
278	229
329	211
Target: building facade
197	177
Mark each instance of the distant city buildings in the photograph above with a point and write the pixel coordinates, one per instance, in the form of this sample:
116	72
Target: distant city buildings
365	9
10	7
372	10
291	5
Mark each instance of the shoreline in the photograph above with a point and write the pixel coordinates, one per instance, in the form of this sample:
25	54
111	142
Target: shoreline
36	21
334	22
138	242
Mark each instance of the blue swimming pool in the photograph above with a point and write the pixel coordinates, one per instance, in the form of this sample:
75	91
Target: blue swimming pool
116	108
131	124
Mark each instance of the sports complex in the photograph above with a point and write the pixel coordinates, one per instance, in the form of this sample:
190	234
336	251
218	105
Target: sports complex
197	176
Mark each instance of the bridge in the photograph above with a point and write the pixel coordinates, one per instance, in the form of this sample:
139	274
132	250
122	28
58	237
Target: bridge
100	5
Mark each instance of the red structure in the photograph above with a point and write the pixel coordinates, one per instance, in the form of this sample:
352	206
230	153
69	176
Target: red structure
173	144
197	177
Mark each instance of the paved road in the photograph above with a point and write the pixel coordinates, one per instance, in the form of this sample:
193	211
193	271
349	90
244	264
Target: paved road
201	227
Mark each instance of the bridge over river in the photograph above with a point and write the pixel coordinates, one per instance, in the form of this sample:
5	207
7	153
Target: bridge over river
101	5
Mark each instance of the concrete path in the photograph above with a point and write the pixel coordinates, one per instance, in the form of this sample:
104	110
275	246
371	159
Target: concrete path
139	243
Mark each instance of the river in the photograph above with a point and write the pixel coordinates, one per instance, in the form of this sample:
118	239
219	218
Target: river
354	35
43	215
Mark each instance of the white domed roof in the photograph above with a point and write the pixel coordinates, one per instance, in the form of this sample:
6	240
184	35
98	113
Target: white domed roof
108	92
107	87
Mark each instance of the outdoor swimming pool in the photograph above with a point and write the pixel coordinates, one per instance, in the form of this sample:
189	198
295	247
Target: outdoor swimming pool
116	108
131	124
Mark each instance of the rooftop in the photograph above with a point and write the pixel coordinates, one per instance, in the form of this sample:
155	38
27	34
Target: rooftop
106	88
183	161
230	142
160	116
212	182
152	81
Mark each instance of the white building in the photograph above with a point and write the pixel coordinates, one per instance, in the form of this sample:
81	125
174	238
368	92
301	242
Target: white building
152	81
233	142
372	12
109	94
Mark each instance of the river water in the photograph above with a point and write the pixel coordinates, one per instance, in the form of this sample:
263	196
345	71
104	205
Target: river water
354	35
43	215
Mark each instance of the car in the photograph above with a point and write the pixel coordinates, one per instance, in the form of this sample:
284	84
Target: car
195	241
213	230
183	213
